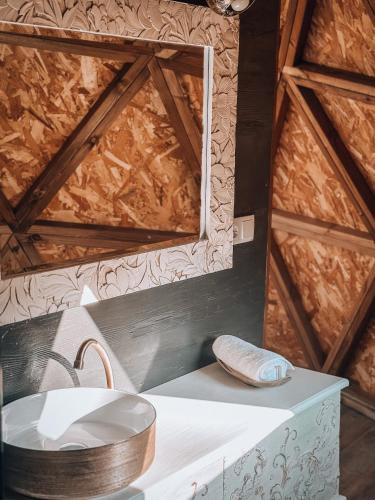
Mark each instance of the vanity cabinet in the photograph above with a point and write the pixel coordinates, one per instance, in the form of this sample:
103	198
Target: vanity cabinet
217	438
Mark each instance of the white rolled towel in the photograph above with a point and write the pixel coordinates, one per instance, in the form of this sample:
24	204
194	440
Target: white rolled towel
252	362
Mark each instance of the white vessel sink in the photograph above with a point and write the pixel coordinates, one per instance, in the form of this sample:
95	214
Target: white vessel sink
100	439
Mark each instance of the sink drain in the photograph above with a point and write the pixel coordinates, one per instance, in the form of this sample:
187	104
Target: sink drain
72	446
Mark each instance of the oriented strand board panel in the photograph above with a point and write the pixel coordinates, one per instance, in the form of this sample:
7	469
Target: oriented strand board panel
355	122
329	280
362	366
279	335
303	181
342	35
137	175
43	96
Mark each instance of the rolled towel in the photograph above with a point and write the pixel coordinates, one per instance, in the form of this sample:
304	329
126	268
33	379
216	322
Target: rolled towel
250	363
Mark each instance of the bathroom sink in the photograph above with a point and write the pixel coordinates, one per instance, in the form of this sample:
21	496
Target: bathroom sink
79	442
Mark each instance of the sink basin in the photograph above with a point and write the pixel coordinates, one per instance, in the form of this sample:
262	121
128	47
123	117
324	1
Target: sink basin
77	443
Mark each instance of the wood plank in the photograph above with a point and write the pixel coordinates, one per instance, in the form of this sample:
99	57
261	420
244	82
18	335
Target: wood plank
22	258
177	114
354	329
286	33
281	110
354	398
96	122
335	151
6	211
99	235
345	83
326	232
301	24
125	52
183	64
353	426
292	302
29	249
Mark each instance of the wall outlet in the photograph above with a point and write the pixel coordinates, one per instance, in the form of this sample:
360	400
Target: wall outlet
243	229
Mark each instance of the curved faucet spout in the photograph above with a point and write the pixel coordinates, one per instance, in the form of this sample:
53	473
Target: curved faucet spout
79	361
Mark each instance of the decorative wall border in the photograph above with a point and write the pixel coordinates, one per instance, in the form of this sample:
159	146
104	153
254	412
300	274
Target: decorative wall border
47	292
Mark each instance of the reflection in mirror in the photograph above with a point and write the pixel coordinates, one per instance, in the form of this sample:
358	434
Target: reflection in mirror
101	143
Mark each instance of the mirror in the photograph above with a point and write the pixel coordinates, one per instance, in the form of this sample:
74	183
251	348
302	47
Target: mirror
101	147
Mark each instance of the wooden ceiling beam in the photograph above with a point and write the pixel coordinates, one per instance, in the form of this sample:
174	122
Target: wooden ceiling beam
354	329
125	52
6	211
335	151
29	250
303	13
183	64
179	115
18	252
325	232
286	33
86	135
323	79
292	303
99	235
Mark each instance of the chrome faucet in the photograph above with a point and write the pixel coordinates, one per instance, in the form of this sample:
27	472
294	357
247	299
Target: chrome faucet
79	361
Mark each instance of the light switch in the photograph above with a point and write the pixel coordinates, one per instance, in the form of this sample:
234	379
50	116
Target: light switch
243	229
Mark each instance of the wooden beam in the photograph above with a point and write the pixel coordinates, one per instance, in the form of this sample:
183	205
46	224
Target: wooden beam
95	235
325	232
29	250
301	24
124	52
286	33
179	114
323	79
18	252
6	211
183	64
354	398
335	151
292	302
86	135
354	328
281	110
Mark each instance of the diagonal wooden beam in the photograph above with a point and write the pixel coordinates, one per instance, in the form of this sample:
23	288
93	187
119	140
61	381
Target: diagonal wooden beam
95	235
28	248
286	33
354	329
124	52
87	134
18	252
292	302
294	34
303	13
6	211
323	79
179	114
335	151
325	232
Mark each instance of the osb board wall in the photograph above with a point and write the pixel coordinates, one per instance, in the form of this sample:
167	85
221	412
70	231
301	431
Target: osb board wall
34	295
342	36
136	176
43	96
328	278
303	181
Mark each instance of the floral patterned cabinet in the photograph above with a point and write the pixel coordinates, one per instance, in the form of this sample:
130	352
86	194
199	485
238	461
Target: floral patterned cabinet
220	439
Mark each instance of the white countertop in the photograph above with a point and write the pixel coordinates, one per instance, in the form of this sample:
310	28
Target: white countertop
207	414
